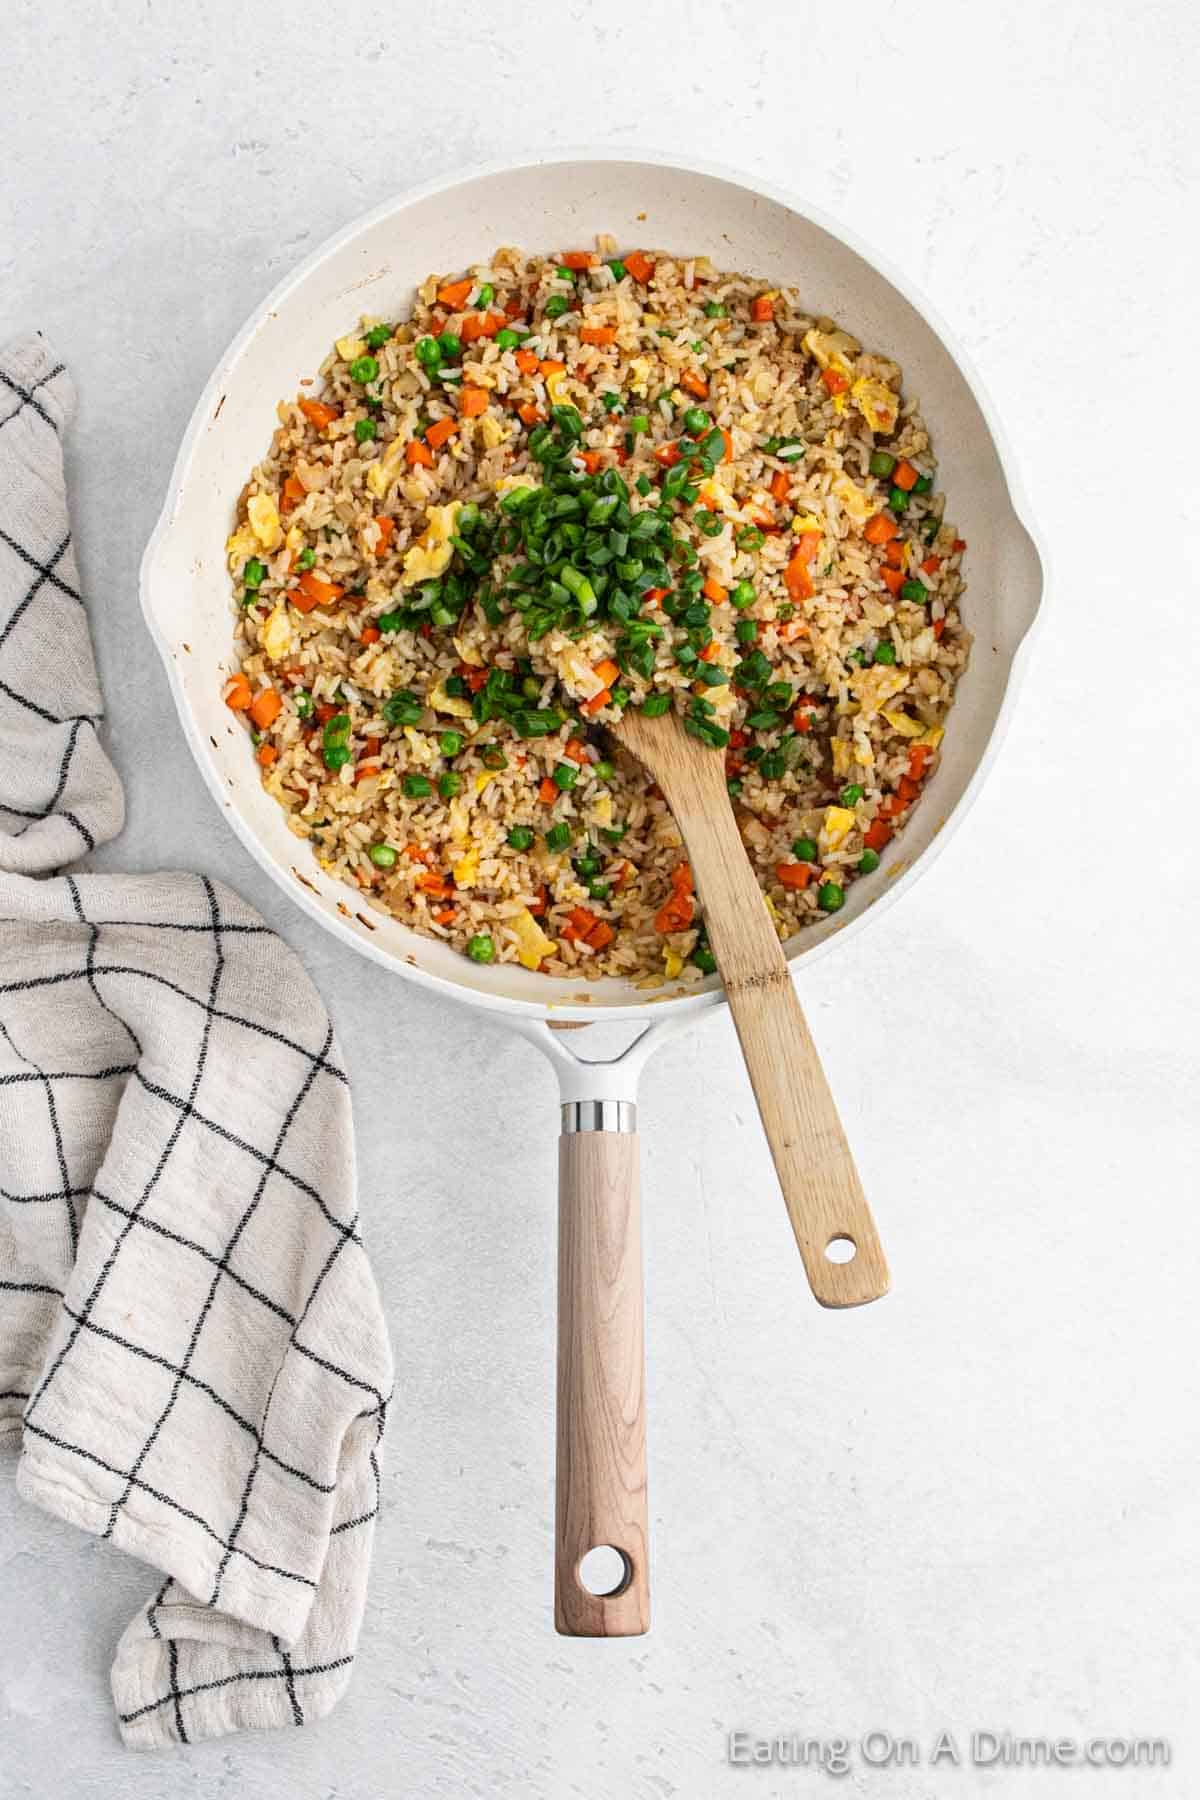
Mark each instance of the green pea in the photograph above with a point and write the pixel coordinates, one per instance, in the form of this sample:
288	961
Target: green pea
520	837
306	558
450	743
618	268
604	771
555	306
566	774
881	464
416	787
402	708
885	653
450	784
898	500
734	786
364	369
486	295
428	352
852	793
383	856
704	959
378	336
254	573
480	948
915	591
558	837
450	344
713	310
507	340
364	430
588	865
773	765
830	896
742	595
599	890
562	273
695	420
922	484
868	862
804	849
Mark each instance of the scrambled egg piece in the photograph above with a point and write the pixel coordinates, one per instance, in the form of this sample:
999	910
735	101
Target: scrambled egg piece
900	721
263	515
672	964
430	555
840	751
351	348
443	702
466	870
602	810
493	431
485	779
932	735
276	636
853	499
240	547
879	406
838	823
533	946
459	821
556	387
639	376
874	687
832	349
803	522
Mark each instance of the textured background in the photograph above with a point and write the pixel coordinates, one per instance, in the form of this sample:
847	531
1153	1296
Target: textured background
975	1504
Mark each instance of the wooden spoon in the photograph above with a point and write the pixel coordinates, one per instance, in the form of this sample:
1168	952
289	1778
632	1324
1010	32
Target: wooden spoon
821	1189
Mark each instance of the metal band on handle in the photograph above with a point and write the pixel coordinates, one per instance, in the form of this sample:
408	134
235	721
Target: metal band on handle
599	1115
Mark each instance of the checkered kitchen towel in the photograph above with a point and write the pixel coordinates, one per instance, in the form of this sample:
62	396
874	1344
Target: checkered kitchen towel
193	1358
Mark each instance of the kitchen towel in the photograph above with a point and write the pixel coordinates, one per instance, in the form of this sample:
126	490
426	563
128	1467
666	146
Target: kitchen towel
193	1357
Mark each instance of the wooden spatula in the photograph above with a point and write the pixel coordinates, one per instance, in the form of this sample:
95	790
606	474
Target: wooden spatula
842	1254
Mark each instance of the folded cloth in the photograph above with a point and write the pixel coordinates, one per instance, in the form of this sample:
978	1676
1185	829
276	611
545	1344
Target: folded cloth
193	1357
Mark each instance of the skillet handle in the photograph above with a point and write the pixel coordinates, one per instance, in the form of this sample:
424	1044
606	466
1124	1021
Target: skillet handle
600	1487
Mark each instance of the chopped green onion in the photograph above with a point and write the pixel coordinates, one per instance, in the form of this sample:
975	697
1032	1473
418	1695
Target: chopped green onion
450	743
746	630
403	708
558	837
254	573
885	652
852	793
450	784
713	310
555	306
486	295
696	420
655	705
566	774
416	787
915	591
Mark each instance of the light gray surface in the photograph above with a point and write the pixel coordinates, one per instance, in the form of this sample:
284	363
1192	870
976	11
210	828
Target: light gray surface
973	1505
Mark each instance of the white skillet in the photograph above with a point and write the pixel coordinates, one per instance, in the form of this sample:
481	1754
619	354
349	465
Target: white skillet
642	199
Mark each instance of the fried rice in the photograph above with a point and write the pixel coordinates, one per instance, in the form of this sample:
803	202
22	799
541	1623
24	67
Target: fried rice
444	594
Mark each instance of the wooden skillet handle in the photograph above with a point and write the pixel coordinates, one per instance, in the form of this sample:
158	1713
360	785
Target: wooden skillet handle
821	1189
600	1483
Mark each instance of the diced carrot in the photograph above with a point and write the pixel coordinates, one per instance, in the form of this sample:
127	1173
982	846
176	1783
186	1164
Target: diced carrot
694	383
370	634
529	414
877	836
597	702
265	707
575	750
939	625
667	455
419	853
434	884
794	875
905	476
579	259
527	362
639	266
893	579
834	381
446	915
474	678
314	591
238	694
738	739
440	432
385	525
780	486
542	902
601	935
762	309
293	493
622	875
324	712
548	792
365	770
802	720
598	334
481	325
514	307
931	565
652	596
907	789
472	401
893	554
880	529
728	437
606	671
417	454
710	651
267	754
318	413
590	460
959	544
793	629
918	756
454	294
796	577
712	590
